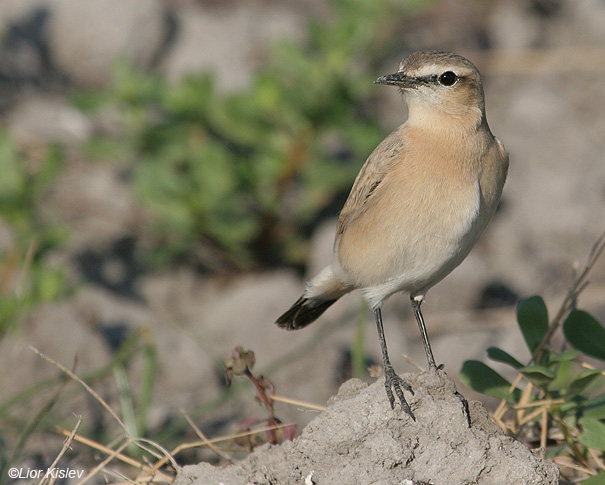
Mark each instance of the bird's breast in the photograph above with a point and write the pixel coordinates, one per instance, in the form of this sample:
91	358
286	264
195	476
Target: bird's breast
422	220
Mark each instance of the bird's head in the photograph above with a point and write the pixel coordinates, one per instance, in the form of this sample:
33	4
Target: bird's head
434	83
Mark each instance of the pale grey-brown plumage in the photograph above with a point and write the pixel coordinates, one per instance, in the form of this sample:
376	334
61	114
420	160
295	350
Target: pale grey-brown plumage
419	203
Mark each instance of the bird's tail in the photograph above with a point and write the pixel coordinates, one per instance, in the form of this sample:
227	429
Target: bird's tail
303	312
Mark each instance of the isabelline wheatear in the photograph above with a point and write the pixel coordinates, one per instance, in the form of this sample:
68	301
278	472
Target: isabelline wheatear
419	203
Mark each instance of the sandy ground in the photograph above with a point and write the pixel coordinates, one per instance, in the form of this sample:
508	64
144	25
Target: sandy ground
359	439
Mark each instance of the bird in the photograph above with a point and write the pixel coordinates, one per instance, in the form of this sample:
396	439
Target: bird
419	203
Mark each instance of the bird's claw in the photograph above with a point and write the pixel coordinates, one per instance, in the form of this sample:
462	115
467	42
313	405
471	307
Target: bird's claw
393	382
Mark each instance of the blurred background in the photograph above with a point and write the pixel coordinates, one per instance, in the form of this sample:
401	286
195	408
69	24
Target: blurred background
171	173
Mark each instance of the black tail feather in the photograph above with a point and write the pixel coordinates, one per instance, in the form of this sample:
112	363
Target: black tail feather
303	312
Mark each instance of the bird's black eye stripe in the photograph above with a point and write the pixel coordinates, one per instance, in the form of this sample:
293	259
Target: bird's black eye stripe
448	78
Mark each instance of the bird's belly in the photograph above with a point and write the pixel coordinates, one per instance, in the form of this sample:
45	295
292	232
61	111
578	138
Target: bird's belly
412	247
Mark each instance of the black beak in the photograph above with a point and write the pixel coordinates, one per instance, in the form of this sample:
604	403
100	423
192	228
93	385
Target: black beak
397	79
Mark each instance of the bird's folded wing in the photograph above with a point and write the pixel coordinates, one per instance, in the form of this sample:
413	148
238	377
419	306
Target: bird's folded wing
369	178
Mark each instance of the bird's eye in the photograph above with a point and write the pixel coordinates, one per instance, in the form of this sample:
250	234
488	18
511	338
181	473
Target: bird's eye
448	78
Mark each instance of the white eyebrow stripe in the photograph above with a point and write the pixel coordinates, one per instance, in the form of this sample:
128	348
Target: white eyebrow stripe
427	71
431	70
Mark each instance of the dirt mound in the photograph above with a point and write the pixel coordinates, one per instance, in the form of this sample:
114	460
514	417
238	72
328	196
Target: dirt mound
359	439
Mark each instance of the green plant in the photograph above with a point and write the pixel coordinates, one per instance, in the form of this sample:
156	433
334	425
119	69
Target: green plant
25	278
233	180
563	395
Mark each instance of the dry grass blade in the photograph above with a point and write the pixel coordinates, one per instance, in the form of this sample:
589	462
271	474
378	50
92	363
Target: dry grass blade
66	446
411	361
103	449
103	464
203	437
112	454
561	462
29	257
165	454
596	456
197	444
110	451
156	477
296	402
29	428
503	406
89	389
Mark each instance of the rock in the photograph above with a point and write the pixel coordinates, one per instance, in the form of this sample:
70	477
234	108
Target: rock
22	55
230	42
40	120
359	439
87	37
95	202
60	331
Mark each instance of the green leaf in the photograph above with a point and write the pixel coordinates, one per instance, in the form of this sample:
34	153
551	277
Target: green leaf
585	333
566	356
593	434
532	316
500	355
563	376
484	379
595	408
538	375
581	381
595	480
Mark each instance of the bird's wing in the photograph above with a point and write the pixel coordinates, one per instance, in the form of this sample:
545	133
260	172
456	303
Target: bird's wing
369	178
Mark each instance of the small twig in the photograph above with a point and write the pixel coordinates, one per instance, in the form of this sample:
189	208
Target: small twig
544	430
544	402
530	416
240	364
523	401
503	426
578	285
502	407
570	434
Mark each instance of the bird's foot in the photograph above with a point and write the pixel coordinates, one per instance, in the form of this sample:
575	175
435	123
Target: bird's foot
393	382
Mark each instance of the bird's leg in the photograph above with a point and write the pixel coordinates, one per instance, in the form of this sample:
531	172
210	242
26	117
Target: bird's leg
425	337
391	379
429	354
